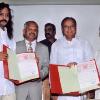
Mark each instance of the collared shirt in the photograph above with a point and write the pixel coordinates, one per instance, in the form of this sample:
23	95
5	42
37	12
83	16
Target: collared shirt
33	45
6	86
64	51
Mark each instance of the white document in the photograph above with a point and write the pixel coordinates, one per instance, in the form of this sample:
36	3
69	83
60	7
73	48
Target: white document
88	76
27	65
80	78
22	67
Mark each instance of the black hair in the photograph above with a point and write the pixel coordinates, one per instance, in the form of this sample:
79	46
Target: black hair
52	25
68	18
9	25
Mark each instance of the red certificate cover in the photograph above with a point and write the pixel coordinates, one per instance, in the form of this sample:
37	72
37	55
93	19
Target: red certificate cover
5	64
17	71
61	79
55	85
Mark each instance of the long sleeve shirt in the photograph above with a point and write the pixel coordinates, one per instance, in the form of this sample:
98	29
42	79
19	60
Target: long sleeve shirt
6	86
64	51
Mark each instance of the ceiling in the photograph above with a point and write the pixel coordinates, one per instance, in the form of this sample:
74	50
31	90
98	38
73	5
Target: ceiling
52	2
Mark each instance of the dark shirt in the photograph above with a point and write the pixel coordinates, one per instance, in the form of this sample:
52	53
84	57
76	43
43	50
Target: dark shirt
48	44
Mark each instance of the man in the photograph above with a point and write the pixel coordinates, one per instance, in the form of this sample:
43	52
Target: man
50	32
32	89
7	90
70	50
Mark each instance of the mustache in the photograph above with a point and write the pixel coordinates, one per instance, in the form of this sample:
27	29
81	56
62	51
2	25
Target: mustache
32	33
48	34
3	21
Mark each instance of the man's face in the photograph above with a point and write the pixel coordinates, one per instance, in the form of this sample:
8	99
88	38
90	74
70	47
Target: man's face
31	32
69	29
4	17
49	33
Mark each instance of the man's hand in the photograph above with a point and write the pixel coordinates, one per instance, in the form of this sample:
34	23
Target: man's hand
3	56
99	84
71	64
90	94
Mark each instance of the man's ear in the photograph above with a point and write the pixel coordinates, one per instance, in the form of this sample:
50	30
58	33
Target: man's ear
23	31
62	31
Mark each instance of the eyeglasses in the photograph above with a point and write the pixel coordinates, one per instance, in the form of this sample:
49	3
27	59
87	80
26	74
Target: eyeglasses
69	27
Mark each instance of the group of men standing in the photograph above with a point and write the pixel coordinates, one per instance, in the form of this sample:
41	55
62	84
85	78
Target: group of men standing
68	50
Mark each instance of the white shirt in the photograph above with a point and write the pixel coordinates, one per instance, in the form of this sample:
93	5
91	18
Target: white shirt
64	52
6	86
33	45
97	57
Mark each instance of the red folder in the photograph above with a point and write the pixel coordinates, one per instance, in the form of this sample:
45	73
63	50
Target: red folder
5	64
6	70
55	85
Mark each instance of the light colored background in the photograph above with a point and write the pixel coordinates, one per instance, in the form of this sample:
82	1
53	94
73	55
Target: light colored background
50	2
87	16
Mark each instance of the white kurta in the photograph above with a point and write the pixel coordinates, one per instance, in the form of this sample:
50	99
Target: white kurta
64	52
97	57
6	86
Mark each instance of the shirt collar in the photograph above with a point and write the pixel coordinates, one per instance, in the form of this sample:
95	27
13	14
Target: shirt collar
33	42
73	39
69	43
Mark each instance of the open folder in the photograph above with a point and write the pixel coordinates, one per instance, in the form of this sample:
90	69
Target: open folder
75	80
21	67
